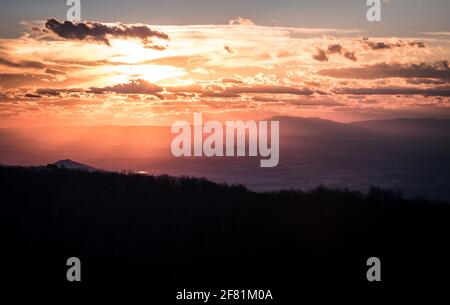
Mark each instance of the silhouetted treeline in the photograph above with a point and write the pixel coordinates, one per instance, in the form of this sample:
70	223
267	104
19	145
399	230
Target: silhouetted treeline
131	230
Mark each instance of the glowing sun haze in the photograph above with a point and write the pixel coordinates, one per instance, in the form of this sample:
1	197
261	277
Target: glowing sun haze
98	73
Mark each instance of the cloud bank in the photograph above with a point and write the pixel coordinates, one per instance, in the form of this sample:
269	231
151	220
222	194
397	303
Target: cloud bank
100	32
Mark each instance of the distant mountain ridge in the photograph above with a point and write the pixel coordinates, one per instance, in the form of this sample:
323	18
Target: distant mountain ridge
408	127
300	126
72	165
401	126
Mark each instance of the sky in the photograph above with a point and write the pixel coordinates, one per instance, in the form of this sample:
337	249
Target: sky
153	62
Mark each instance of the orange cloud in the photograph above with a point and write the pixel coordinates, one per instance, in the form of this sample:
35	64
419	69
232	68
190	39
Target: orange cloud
64	77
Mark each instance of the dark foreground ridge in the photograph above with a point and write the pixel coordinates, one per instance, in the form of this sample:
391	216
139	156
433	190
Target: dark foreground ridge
144	231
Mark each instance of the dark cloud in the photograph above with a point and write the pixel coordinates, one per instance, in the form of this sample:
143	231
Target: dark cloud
368	102
350	55
228	49
137	86
54	71
236	91
256	89
14	80
338	49
269	89
57	91
322	55
437	91
373	45
31	95
223	94
438	70
300	102
335	49
425	81
31	64
231	80
22	64
99	32
52	92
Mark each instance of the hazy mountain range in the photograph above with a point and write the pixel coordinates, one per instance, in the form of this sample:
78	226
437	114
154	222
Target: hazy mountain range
407	154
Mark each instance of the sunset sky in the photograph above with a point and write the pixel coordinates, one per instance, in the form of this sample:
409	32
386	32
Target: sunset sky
153	62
